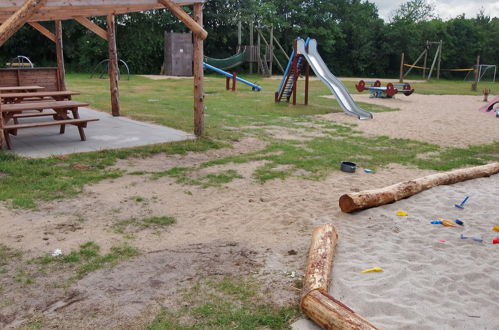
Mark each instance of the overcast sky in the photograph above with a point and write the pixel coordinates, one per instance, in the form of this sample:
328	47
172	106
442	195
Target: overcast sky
445	9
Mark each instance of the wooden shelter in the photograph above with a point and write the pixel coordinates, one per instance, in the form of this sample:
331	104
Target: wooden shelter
15	13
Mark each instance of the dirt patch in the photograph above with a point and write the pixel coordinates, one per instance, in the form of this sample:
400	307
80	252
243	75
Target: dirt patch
118	297
446	120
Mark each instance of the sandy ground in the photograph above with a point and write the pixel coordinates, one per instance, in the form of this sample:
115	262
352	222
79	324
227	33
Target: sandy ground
246	228
447	120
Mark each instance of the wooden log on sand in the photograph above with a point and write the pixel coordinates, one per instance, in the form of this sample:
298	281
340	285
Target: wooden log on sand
376	197
326	311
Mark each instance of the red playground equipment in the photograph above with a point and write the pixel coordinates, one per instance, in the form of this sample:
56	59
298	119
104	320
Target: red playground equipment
490	106
384	92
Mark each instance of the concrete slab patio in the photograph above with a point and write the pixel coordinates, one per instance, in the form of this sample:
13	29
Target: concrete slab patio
107	133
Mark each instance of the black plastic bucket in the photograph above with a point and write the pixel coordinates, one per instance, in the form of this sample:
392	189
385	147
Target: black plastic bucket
348	167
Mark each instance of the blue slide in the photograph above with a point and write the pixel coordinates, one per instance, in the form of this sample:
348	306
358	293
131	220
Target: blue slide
222	72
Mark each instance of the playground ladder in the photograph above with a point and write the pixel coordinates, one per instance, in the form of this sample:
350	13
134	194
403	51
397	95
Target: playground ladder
290	80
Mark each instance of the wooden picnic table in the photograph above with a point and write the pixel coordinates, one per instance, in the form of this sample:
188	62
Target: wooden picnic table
37	96
14	111
20	89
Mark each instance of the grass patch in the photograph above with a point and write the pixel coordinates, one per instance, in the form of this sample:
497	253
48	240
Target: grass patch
88	258
123	226
28	181
187	176
229	303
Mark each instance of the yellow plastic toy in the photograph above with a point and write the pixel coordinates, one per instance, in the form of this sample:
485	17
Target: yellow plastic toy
402	214
496	228
374	269
448	223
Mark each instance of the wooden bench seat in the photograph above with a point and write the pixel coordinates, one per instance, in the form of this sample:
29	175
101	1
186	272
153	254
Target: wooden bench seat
33	114
77	122
20	107
80	123
14	111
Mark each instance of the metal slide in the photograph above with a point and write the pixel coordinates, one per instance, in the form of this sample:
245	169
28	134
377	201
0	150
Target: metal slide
337	88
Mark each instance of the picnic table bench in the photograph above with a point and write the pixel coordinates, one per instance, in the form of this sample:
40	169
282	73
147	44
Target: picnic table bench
22	89
15	111
36	96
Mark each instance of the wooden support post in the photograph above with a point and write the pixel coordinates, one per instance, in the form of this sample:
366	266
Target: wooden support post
252	51
113	65
476	74
18	19
92	27
271	50
198	74
307	79
425	59
40	28
401	76
439	60
234	81
239	35
59	49
194	26
258	52
227	83
295	81
1	125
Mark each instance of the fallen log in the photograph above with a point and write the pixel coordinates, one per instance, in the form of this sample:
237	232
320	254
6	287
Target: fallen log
376	197
320	259
330	313
326	311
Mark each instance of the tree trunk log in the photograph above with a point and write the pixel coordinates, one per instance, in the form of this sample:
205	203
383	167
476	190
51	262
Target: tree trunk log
376	197
326	311
196	28
320	259
330	313
17	20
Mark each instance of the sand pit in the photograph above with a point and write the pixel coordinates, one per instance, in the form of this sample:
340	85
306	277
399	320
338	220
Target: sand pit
432	278
446	120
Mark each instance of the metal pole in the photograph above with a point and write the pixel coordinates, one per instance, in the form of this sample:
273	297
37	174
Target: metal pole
495	71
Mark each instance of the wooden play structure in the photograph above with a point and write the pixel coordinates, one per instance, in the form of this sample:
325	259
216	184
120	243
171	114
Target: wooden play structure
16	13
316	301
376	197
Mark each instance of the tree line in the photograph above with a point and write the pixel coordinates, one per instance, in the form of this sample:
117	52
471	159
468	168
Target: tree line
353	39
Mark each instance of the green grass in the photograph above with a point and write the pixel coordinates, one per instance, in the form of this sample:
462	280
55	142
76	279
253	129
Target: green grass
229	116
26	181
187	176
88	258
123	226
229	303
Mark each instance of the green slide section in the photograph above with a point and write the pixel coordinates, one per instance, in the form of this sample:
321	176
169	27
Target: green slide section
226	63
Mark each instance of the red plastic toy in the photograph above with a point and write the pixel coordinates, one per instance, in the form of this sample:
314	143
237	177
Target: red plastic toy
496	241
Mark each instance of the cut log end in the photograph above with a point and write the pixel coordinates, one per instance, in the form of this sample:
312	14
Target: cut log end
347	204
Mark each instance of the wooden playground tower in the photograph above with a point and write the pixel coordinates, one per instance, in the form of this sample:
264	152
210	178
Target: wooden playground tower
265	62
437	59
14	14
